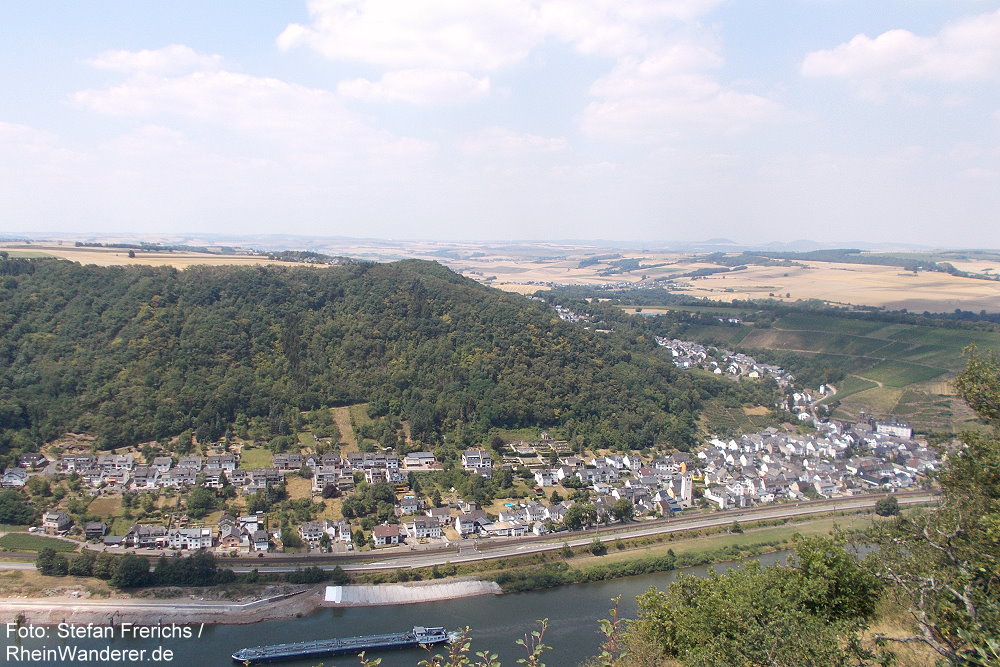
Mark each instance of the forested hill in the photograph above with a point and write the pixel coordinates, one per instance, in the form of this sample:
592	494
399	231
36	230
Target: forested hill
140	353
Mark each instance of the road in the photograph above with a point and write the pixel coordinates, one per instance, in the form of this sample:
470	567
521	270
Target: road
474	550
483	551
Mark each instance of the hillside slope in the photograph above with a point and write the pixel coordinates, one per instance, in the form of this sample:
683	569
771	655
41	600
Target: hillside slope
140	353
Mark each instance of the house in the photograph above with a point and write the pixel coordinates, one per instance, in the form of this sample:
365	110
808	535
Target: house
56	522
419	459
76	462
324	475
116	462
442	514
477	460
226	462
163	463
190	538
287	461
95	530
410	505
32	460
507	529
196	463
358	461
231	538
471	522
311	532
385	535
546	477
146	536
179	477
338	529
14	477
424	527
145	477
261	542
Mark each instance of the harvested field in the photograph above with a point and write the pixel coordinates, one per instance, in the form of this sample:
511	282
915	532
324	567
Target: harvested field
119	257
865	284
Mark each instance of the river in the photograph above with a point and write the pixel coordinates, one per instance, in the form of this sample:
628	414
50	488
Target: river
496	623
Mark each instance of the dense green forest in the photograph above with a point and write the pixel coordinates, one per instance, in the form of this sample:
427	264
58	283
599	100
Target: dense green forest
132	354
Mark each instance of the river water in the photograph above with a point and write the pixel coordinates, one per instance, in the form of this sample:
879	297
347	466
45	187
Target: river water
496	623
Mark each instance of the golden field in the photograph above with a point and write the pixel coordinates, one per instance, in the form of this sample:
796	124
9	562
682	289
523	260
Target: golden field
528	267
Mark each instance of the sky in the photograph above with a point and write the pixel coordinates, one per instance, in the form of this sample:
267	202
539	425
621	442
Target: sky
649	120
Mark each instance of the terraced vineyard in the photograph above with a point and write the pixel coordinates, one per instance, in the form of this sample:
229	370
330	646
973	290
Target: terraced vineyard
899	369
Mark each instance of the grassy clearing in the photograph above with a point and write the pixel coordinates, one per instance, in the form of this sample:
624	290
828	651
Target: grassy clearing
307	439
31	542
332	509
105	506
342	418
297	487
255	457
515	435
120	526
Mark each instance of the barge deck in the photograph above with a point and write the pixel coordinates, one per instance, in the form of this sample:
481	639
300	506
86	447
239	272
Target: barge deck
292	651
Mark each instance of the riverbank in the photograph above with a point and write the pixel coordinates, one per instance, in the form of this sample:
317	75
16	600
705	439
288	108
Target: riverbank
242	604
182	611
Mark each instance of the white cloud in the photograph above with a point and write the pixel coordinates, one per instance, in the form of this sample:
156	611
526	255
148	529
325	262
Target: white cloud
418	86
477	35
504	142
965	50
666	92
172	59
266	110
613	27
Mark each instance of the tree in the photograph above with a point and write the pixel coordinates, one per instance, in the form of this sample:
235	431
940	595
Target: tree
50	563
597	547
580	515
887	506
132	571
14	509
39	486
331	491
290	538
131	254
83	564
200	501
359	539
945	560
810	612
436	498
324	542
623	510
555	498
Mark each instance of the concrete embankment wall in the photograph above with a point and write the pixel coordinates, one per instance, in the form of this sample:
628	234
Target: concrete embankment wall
365	595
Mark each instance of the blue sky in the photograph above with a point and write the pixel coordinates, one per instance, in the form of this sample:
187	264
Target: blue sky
660	120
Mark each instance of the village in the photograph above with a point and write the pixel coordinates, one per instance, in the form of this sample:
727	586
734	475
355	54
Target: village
570	491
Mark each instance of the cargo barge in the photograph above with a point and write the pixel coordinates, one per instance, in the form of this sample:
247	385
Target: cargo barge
397	640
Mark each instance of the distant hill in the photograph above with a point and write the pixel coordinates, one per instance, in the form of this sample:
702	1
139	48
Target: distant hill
139	353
